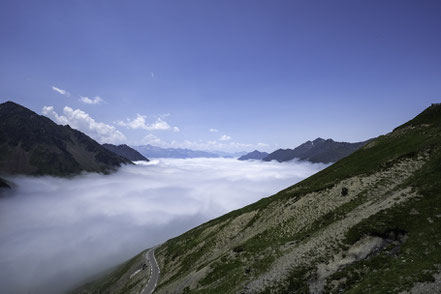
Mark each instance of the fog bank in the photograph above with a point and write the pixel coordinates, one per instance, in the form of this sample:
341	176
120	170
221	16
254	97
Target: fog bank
54	232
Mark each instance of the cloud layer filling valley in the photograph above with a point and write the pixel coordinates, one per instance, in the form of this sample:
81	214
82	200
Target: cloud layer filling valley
54	232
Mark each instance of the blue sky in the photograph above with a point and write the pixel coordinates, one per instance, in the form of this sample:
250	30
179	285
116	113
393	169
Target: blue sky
271	72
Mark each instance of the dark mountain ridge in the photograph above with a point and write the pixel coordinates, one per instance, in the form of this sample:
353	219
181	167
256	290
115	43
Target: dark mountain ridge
126	152
319	150
256	154
33	144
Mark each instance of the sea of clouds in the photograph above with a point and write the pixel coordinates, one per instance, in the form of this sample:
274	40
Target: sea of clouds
55	232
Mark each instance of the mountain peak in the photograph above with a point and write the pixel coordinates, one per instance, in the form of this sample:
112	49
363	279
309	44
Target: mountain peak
319	140
11	103
126	152
10	106
431	116
34	144
256	155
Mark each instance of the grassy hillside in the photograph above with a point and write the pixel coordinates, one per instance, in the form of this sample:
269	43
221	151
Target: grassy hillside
128	277
370	223
33	144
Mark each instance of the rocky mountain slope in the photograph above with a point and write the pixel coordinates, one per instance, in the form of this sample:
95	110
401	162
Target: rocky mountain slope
126	152
319	150
257	155
33	144
370	223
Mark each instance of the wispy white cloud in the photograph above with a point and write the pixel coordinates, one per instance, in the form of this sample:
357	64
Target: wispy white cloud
61	91
140	123
152	74
225	138
262	145
50	112
152	139
164	115
80	120
95	100
137	123
159	124
213	130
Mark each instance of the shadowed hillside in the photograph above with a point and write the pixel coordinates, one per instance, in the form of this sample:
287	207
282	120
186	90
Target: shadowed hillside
257	155
125	151
33	144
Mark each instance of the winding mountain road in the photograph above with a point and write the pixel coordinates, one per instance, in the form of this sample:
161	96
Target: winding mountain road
154	272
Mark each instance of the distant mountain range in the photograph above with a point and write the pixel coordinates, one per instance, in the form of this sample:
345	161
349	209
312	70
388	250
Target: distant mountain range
255	155
125	151
151	151
319	150
33	144
229	154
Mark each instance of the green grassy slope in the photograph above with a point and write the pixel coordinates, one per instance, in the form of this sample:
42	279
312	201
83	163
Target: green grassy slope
383	236
119	280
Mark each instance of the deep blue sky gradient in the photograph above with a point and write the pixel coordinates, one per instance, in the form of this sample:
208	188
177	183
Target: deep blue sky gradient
276	72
